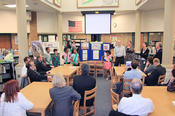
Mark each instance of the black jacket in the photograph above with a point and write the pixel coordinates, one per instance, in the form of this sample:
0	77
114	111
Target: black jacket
144	54
35	76
82	83
159	55
41	68
152	79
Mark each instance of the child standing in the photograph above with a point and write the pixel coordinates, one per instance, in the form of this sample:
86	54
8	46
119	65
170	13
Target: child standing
66	56
108	61
75	57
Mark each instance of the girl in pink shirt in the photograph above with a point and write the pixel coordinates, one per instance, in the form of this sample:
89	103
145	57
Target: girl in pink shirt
107	66
66	56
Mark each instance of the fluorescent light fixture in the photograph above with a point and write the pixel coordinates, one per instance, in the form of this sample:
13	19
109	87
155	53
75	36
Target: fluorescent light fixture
13	5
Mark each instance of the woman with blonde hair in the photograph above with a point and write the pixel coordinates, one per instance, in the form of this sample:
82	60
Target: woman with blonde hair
62	97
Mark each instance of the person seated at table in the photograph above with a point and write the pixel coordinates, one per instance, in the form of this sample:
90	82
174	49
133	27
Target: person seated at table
40	66
55	58
24	68
133	73
12	101
136	105
171	84
33	74
66	56
152	79
75	58
149	66
107	65
62	96
84	82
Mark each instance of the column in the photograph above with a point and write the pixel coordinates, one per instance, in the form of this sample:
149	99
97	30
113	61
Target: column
33	28
22	29
138	31
169	35
59	35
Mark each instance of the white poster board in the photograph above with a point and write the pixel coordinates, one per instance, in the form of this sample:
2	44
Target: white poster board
95	54
85	55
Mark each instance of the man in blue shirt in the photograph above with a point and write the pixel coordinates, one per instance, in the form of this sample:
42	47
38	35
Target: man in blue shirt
133	73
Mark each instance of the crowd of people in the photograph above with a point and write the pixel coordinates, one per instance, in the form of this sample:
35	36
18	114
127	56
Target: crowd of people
13	101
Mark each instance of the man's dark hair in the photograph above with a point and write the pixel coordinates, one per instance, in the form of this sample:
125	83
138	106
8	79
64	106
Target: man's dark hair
55	50
150	59
85	69
47	48
134	64
25	59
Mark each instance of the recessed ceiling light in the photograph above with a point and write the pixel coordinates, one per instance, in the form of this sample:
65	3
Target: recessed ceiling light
13	5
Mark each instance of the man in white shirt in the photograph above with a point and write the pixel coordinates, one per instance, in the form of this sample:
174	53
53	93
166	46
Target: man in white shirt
47	57
24	68
136	105
119	53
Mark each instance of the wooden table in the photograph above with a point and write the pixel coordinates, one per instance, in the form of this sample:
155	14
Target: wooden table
162	100
38	94
66	70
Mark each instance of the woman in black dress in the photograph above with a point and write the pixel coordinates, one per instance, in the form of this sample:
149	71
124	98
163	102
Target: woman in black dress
144	55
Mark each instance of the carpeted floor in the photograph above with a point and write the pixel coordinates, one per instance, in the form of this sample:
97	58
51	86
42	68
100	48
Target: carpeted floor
103	101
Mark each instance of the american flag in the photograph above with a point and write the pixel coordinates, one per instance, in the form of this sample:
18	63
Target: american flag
75	26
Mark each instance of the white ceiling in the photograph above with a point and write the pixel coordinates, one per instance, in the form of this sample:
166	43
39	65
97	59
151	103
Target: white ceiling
152	5
34	5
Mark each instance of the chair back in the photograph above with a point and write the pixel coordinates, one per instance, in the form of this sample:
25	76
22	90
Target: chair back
126	86
161	79
89	94
112	72
76	108
114	100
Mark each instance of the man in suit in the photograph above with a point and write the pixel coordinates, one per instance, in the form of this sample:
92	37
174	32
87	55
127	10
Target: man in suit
159	51
84	82
152	79
33	75
41	68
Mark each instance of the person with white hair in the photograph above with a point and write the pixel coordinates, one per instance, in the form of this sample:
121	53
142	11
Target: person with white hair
119	53
136	105
62	96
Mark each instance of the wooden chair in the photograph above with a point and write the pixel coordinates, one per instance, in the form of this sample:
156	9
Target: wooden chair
100	68
114	100
114	78
126	86
161	79
90	94
92	69
76	108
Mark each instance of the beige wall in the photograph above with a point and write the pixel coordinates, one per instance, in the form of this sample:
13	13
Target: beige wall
46	22
71	6
153	21
125	22
8	22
